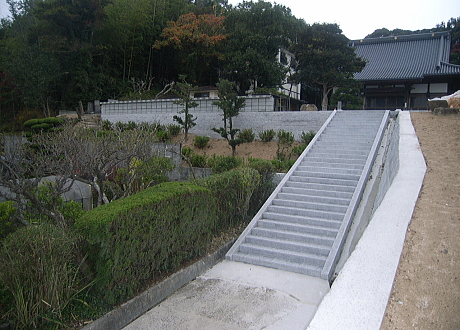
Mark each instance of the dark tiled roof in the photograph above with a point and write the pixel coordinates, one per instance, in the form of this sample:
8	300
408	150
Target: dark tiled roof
405	57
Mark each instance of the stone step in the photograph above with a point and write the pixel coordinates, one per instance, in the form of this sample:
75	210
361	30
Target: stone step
327	155
329	170
320	186
301	229
338	180
285	245
280	209
310	206
313	197
304	165
278	264
289	236
319	193
337	151
298	228
286	255
332	161
326	223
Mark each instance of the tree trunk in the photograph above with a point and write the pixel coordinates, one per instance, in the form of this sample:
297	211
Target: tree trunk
325	101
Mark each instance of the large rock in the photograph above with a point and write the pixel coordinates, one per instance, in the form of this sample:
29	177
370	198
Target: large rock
437	103
308	107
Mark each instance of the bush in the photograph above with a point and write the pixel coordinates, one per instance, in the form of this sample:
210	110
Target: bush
173	130
282	165
53	121
246	135
265	188
107	125
132	239
232	191
187	152
306	138
41	127
285	141
163	135
221	164
198	160
267	135
201	141
122	127
285	137
37	269
297	150
7	223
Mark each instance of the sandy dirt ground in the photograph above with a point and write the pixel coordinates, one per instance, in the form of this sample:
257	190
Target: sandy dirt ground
220	147
426	290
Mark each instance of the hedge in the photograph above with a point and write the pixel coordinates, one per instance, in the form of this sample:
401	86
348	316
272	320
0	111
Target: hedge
155	230
233	191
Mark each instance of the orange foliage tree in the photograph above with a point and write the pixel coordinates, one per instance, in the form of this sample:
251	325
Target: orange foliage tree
196	41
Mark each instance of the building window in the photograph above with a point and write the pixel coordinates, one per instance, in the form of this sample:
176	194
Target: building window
202	94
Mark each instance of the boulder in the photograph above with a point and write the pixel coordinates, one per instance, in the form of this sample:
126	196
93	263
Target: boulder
308	107
437	103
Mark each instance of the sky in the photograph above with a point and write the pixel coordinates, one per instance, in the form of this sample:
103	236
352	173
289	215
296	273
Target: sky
358	18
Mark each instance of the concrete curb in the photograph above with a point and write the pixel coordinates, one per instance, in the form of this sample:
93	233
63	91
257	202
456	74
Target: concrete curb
132	309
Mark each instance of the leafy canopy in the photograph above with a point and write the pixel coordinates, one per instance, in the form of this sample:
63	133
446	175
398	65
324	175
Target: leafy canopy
324	58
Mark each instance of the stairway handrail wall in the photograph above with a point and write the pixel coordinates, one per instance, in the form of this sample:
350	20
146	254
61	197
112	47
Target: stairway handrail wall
334	253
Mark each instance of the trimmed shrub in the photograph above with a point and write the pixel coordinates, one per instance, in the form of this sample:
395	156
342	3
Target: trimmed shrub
155	230
41	127
53	121
38	271
221	164
201	141
246	135
265	188
267	135
50	122
233	191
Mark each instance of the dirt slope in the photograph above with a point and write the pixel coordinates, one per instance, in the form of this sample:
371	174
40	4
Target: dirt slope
426	291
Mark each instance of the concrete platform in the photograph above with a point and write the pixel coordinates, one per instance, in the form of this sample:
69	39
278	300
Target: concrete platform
234	295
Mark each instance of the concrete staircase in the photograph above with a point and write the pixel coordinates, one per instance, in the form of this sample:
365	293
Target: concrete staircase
303	224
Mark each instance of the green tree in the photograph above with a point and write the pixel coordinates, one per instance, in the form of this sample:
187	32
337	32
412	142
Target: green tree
231	104
350	98
185	91
325	59
257	30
